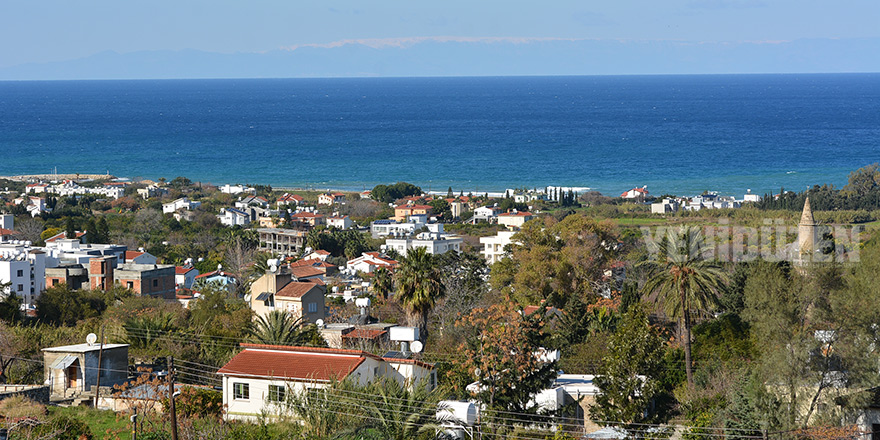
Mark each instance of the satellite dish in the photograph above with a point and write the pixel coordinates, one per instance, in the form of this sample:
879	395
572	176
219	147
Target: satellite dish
416	346
91	338
320	323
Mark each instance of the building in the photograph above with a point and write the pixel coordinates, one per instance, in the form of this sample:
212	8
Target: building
233	217
319	266
308	218
434	243
366	336
402	212
635	193
514	219
75	276
388	227
185	276
279	290
24	268
282	241
61	250
289	199
72	370
183	203
256	380
368	262
749	197
139	257
331	198
237	189
217	278
248	201
666	206
145	279
487	214
493	246
36	188
339	222
152	191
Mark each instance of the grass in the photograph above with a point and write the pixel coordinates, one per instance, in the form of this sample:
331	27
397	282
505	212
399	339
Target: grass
100	421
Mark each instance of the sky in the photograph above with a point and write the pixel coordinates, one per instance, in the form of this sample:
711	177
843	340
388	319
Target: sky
39	31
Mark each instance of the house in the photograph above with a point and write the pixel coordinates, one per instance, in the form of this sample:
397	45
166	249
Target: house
388	227
493	246
434	243
635	193
318	254
403	211
486	214
60	250
237	189
317	265
256	380
331	198
34	205
24	269
183	203
185	276
75	275
514	219
282	241
144	279
152	191
356	336
248	201
139	257
368	262
339	222
289	199
233	217
664	207
36	188
217	277
72	370
749	197
308	218
280	290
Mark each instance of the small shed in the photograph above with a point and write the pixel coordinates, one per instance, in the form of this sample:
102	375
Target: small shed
70	370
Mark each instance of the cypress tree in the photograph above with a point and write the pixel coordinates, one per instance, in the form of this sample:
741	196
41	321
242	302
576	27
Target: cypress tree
70	231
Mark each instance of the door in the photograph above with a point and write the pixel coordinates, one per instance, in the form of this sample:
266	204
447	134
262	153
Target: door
72	374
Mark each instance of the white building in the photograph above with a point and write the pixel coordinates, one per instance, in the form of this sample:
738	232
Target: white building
486	214
435	243
70	250
256	380
236	189
514	219
329	199
233	217
245	202
635	193
493	246
339	222
183	203
749	197
25	269
151	191
368	262
185	276
665	207
389	227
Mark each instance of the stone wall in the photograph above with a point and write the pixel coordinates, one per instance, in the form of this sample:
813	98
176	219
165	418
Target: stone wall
39	393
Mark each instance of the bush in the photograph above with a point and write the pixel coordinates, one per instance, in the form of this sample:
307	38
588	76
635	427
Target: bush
64	428
19	407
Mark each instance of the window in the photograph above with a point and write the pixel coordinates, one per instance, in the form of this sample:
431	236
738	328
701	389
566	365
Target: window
241	391
55	282
276	393
21	287
313	307
129	284
156	283
20	273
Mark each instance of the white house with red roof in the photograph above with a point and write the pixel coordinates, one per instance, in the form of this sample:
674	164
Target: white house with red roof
318	254
36	188
339	222
185	276
257	380
139	257
635	193
368	262
514	219
331	198
289	199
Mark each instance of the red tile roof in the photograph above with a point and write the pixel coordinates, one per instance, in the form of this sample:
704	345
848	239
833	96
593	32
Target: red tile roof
7	232
63	235
307	215
360	333
305	271
296	289
413	207
516	214
292	363
180	270
131	255
311	262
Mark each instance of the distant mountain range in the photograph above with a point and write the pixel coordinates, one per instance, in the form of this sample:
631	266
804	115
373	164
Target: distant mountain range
452	56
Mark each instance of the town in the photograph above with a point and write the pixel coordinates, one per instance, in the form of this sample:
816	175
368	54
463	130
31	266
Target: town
258	312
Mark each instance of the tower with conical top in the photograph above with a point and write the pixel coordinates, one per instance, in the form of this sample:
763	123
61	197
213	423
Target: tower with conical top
806	235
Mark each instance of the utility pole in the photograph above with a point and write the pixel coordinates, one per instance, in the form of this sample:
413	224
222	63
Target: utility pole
134	424
100	356
171	397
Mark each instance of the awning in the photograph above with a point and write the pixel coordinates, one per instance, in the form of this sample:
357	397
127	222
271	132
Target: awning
63	363
264	296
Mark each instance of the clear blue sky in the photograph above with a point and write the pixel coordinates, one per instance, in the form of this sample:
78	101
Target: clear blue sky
54	30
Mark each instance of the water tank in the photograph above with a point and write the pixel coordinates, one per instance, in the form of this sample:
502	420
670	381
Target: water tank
399	333
362	302
456	412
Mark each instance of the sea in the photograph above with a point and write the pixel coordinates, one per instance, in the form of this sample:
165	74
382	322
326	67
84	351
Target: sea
680	134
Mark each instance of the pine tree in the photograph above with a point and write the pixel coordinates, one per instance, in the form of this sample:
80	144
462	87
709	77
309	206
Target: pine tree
449	193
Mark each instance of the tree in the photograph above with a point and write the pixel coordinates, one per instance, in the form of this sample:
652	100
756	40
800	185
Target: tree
419	287
441	208
628	376
449	193
500	352
686	283
69	229
29	229
383	282
279	327
60	305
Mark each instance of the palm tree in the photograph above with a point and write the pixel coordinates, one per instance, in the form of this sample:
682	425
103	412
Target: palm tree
686	283
280	328
382	282
419	286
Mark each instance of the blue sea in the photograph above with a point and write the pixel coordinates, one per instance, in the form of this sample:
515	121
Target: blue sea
675	134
